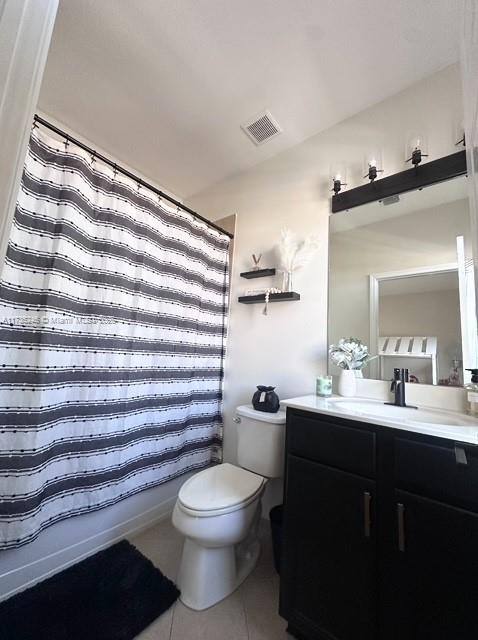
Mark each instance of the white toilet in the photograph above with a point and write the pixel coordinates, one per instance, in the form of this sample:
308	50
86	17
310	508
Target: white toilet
219	508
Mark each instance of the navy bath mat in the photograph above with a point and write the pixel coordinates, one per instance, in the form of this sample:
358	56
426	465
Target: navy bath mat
112	595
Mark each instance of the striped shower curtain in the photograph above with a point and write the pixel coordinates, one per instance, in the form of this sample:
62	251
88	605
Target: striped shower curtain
112	333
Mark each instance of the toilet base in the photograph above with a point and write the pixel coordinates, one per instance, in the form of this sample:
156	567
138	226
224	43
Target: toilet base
208	575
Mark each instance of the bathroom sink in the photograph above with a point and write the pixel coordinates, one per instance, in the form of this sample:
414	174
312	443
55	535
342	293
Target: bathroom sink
377	409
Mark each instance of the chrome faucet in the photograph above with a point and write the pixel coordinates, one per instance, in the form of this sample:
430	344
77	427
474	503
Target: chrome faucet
400	377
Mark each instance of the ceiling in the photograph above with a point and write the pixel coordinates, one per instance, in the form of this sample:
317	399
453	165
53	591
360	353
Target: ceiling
163	85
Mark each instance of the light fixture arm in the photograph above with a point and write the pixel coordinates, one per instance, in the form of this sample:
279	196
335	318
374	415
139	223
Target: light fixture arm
372	173
416	157
337	185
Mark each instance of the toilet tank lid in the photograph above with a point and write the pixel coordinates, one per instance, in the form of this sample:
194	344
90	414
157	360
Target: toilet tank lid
248	411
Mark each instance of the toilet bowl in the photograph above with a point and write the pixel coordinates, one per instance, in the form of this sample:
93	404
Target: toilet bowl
218	511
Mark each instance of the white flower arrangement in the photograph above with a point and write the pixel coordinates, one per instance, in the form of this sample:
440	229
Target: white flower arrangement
294	255
350	353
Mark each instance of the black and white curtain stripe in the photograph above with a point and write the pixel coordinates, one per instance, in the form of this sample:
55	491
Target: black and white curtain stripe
112	337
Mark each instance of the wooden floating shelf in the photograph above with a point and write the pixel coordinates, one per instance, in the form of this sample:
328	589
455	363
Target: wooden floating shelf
273	297
258	273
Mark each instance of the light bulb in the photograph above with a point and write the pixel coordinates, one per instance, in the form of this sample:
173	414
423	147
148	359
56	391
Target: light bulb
416	149
372	164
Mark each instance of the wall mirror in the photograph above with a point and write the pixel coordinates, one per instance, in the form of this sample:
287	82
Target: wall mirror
401	280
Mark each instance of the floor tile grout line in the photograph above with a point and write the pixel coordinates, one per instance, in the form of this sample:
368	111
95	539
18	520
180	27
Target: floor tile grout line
243	603
172	621
176	573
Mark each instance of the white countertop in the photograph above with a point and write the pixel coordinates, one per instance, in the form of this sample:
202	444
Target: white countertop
332	407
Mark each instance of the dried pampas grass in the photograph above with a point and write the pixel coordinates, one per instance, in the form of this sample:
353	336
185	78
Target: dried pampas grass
293	254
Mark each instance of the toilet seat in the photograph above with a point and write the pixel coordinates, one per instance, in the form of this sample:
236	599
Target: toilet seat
218	490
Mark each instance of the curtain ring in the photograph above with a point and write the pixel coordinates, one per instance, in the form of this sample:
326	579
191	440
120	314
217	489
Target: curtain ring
115	170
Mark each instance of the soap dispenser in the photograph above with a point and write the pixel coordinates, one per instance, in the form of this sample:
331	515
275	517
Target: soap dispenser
472	388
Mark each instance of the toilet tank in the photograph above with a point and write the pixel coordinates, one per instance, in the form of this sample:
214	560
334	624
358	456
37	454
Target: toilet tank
260	441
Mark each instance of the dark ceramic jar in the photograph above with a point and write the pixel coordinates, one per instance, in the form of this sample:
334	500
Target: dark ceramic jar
265	399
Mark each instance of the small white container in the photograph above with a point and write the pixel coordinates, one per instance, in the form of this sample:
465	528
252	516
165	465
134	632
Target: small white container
347	383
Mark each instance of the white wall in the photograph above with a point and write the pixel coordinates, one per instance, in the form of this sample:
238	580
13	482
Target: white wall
26	27
469	65
288	347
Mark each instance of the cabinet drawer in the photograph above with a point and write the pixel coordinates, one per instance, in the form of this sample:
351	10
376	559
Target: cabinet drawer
446	471
347	448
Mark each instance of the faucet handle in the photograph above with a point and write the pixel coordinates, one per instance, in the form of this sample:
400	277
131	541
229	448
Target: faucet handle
400	375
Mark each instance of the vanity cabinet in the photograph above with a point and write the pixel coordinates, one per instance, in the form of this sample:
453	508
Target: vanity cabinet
433	582
332	568
380	533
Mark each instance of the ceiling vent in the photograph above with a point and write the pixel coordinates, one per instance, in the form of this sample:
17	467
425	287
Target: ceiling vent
261	128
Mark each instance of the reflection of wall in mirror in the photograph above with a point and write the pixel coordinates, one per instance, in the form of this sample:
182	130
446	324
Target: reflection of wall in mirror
419	239
428	313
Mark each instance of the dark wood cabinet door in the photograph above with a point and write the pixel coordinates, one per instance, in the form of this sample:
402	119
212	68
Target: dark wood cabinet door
328	581
432	591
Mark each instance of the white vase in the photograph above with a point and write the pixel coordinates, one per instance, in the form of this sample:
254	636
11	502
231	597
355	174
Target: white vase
347	383
358	373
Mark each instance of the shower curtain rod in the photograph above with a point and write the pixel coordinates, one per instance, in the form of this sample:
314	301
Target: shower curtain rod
38	119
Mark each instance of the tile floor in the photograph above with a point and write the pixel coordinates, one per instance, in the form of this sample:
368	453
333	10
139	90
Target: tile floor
250	613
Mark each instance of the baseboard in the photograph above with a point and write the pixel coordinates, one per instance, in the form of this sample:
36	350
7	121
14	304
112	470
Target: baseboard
32	572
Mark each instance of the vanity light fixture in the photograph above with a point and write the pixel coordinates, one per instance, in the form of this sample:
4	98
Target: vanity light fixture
372	162
408	180
372	171
338	184
339	179
416	150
